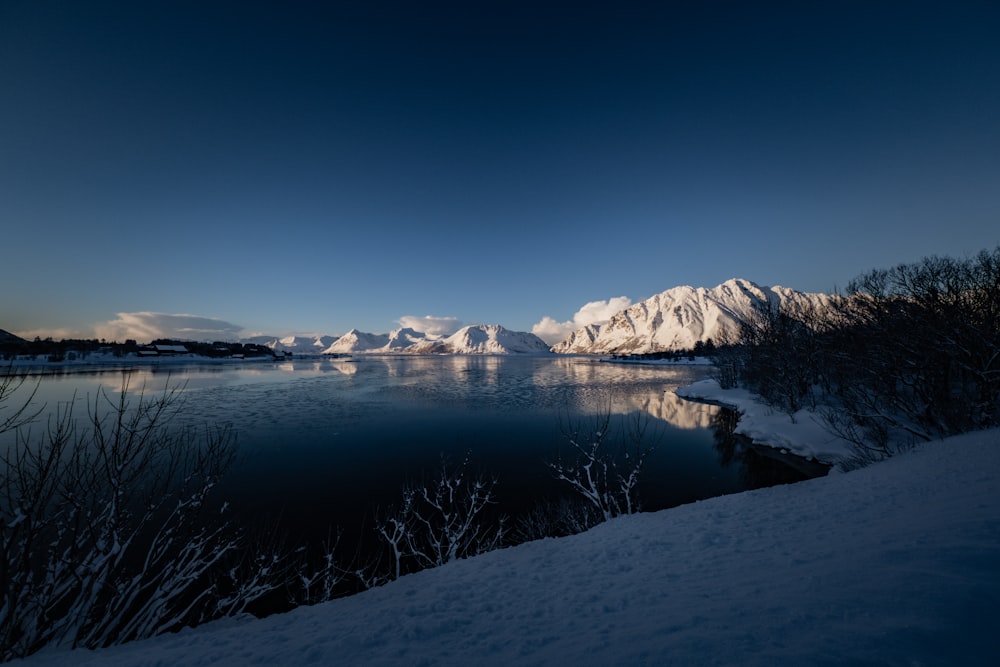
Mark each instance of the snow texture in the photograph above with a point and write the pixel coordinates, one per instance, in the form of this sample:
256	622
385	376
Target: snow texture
897	564
681	316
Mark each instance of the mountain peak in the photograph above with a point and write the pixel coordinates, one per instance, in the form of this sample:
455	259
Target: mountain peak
494	339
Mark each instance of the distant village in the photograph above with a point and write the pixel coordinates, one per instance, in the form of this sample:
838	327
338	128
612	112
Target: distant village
47	349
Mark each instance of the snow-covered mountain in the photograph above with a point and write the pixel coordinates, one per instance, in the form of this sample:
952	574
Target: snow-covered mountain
357	341
295	344
400	339
580	340
493	339
473	339
679	317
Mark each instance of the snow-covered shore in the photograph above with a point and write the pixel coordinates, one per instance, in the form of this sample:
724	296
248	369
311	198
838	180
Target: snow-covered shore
897	563
640	361
803	433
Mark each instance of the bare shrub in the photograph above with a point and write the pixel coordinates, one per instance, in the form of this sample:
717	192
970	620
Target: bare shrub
11	382
440	520
556	518
110	530
603	469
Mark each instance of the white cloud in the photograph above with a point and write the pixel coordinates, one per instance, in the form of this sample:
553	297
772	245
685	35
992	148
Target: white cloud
146	326
592	312
551	331
599	312
437	326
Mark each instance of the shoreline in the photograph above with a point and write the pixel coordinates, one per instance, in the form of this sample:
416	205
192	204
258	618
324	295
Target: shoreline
807	465
801	436
45	367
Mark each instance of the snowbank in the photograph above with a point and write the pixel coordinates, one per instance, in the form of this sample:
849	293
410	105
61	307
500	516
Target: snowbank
897	563
802	433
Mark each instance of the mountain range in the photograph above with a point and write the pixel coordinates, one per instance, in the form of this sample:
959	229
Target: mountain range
472	339
296	344
672	320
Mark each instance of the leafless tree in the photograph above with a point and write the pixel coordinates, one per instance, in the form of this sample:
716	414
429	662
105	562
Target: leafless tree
440	520
109	530
319	579
728	360
781	356
605	471
920	355
22	414
907	354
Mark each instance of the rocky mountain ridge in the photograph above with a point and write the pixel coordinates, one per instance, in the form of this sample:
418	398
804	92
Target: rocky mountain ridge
681	316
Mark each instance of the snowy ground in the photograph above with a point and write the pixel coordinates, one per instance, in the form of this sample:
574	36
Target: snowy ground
897	563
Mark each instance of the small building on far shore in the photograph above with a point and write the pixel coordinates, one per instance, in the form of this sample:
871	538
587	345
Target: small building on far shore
162	350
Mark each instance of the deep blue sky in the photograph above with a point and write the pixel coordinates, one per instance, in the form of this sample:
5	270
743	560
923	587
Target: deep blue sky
312	167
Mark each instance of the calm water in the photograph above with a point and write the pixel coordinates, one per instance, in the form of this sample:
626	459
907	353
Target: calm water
325	442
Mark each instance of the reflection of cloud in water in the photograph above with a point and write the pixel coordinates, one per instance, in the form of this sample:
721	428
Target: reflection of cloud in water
675	410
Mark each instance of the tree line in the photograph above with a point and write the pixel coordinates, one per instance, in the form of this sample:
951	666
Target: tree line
73	349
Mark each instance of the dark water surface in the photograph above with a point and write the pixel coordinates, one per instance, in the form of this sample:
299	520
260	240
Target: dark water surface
325	442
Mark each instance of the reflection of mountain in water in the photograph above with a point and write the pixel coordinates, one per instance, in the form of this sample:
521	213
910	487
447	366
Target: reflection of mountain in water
512	384
676	411
345	367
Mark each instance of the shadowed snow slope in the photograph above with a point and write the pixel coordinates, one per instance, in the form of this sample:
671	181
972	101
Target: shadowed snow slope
897	563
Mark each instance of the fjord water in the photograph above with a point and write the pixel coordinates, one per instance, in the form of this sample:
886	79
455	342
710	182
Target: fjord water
327	442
